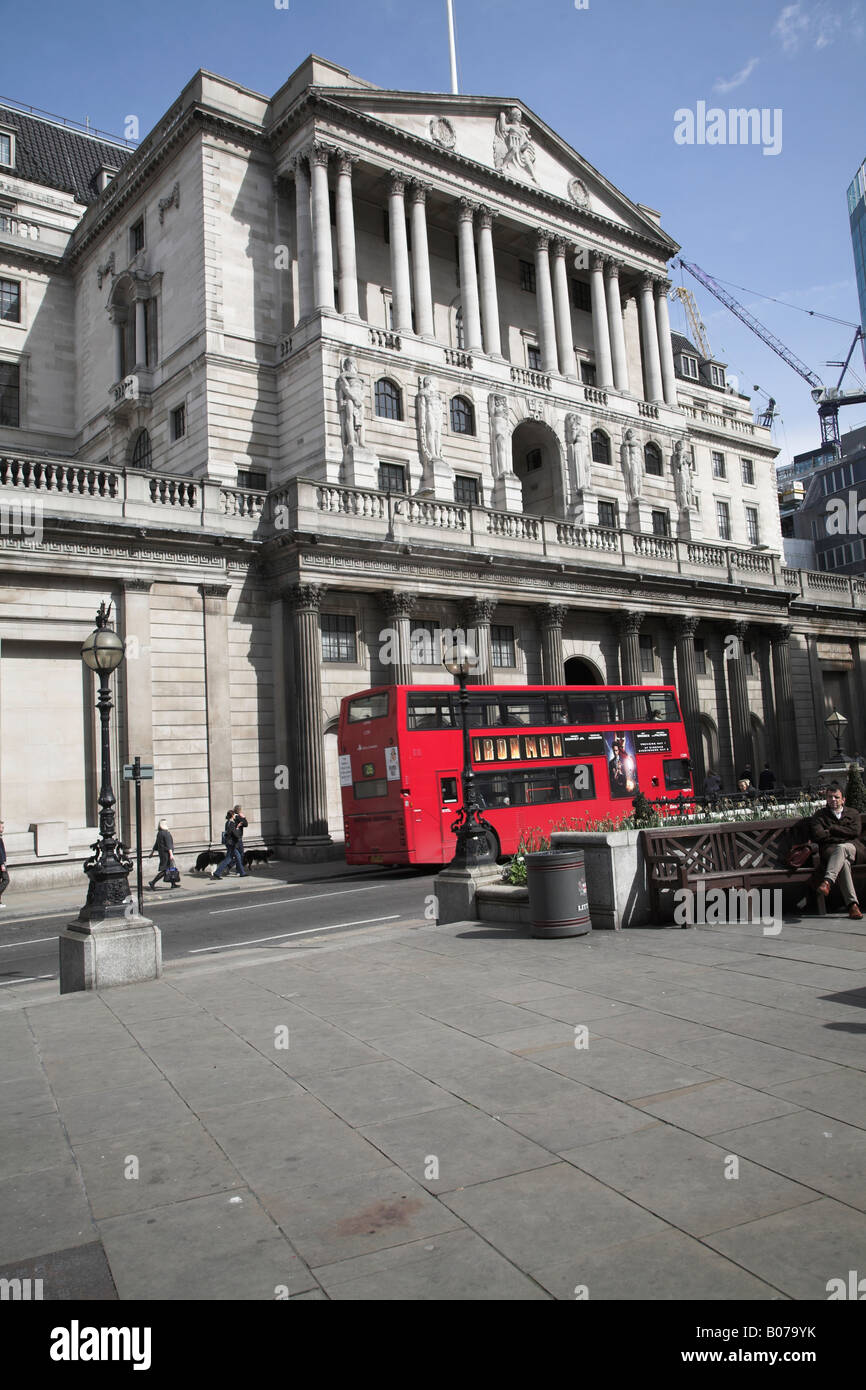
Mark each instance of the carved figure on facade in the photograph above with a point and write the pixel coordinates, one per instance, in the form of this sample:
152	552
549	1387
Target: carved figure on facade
428	408
579	465
500	436
631	468
351	395
682	468
512	143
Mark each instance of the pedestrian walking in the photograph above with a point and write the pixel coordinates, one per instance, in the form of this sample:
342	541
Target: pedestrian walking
838	832
745	788
712	784
767	779
233	839
163	845
4	872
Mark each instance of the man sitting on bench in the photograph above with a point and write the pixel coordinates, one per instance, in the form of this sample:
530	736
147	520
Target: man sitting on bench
837	830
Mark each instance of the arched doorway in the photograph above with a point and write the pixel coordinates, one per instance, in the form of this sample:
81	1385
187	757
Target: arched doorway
537	461
579	671
710	744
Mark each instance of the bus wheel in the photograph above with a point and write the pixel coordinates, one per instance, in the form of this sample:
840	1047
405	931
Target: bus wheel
493	841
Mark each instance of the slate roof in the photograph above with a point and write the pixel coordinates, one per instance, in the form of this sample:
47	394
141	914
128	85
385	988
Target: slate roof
681	344
57	156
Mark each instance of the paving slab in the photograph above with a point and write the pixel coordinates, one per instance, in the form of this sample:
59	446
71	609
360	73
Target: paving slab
620	1070
44	1211
840	1094
378	1091
715	1105
577	1116
826	1155
801	1250
745	1060
25	1096
153	1168
455	1267
76	1075
122	1110
29	1144
459	1143
81	1273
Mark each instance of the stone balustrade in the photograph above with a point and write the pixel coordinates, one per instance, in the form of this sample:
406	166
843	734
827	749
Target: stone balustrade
536	381
384	338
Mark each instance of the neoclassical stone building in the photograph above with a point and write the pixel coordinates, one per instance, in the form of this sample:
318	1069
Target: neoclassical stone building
301	381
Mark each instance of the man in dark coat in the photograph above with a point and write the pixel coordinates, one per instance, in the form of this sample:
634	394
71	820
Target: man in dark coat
233	839
163	845
837	831
4	872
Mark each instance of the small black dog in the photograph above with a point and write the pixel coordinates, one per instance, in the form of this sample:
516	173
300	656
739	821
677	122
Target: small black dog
256	856
208	856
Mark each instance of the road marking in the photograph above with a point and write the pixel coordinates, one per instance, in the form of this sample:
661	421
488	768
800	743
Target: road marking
26	979
36	941
310	931
313	898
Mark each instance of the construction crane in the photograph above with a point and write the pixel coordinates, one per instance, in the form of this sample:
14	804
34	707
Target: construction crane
827	398
689	303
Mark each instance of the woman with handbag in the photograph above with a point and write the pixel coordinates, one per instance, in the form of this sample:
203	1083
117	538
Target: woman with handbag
163	845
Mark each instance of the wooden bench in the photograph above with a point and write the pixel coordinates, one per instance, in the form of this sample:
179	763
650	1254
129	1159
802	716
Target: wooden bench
744	854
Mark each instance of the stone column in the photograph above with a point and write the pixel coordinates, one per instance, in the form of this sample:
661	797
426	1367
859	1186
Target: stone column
140	333
562	309
552	616
615	323
651	360
476	615
421	262
304	236
218	704
138	701
311	798
741	724
786	724
487	273
600	331
399	608
119	330
544	297
687	686
281	638
401	287
629	637
323	255
346	253
666	352
469	277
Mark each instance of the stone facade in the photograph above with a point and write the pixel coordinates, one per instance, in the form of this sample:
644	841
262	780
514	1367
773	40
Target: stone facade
313	372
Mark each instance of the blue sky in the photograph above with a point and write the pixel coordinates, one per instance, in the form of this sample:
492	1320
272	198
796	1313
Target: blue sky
607	78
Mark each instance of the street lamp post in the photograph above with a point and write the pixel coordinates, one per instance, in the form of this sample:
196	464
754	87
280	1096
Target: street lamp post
475	837
836	722
109	868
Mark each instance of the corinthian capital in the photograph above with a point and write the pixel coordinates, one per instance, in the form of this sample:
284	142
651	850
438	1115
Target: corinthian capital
486	216
319	153
306	598
542	239
629	622
596	260
345	161
466	209
398	181
399	605
684	625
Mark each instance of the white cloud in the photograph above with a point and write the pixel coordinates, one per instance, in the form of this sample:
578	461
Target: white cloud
737	81
816	25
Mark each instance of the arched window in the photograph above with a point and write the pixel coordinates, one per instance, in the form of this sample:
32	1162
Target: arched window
141	453
389	400
462	416
600	447
652	457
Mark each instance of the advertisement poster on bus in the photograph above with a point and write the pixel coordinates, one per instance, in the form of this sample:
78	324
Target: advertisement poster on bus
621	764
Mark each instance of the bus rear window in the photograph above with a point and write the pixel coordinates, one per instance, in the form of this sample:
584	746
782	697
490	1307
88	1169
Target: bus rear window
368	707
677	773
365	790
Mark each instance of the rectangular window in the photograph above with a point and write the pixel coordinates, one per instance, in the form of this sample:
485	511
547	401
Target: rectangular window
723	518
587	373
466	491
10	301
748	659
661	524
429	710
580	296
6	150
689	367
392	477
425	642
368	707
253	478
700	656
366	790
753	530
607	515
678	773
339	642
647	655
136	237
719	466
748	472
717	376
178	422
533	357
502	645
10	395
527	277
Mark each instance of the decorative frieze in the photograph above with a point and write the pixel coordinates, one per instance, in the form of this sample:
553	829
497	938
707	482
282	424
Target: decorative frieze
172	201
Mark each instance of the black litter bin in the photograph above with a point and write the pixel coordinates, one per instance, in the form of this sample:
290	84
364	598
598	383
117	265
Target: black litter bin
558	900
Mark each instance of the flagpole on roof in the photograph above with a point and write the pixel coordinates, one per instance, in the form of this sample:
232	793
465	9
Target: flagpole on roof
453	47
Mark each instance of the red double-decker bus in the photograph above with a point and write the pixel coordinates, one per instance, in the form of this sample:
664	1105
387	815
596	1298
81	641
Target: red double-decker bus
540	754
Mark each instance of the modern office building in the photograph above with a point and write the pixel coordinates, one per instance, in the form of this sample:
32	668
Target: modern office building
857	217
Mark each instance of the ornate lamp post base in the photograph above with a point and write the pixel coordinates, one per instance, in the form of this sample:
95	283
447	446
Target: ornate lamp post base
112	951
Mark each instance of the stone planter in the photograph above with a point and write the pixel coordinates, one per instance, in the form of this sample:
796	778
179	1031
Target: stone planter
503	902
615	876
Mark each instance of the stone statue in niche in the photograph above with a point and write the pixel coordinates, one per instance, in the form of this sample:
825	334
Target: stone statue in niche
579	466
500	436
682	466
351	394
631	466
512	143
428	407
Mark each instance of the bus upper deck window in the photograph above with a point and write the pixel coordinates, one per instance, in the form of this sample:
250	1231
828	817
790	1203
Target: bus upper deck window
368	707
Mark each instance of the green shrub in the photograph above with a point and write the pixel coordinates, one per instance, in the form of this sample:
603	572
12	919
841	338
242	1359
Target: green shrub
530	842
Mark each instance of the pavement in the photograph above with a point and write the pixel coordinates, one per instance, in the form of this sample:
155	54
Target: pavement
458	1112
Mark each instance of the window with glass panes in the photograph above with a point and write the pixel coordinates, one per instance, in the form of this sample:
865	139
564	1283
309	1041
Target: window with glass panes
753	530
607	515
600	447
136	237
339	642
748	472
10	395
527	276
178	422
392	477
6	149
389	400
661	524
466	491
425	642
462	416
700	656
647	654
10	301
533	357
719	466
502	645
587	373
652	456
723	519
689	367
580	296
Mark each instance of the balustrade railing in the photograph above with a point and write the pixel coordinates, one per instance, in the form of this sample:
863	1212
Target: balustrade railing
655	547
173	492
513	526
539	381
588	537
36	476
383	338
